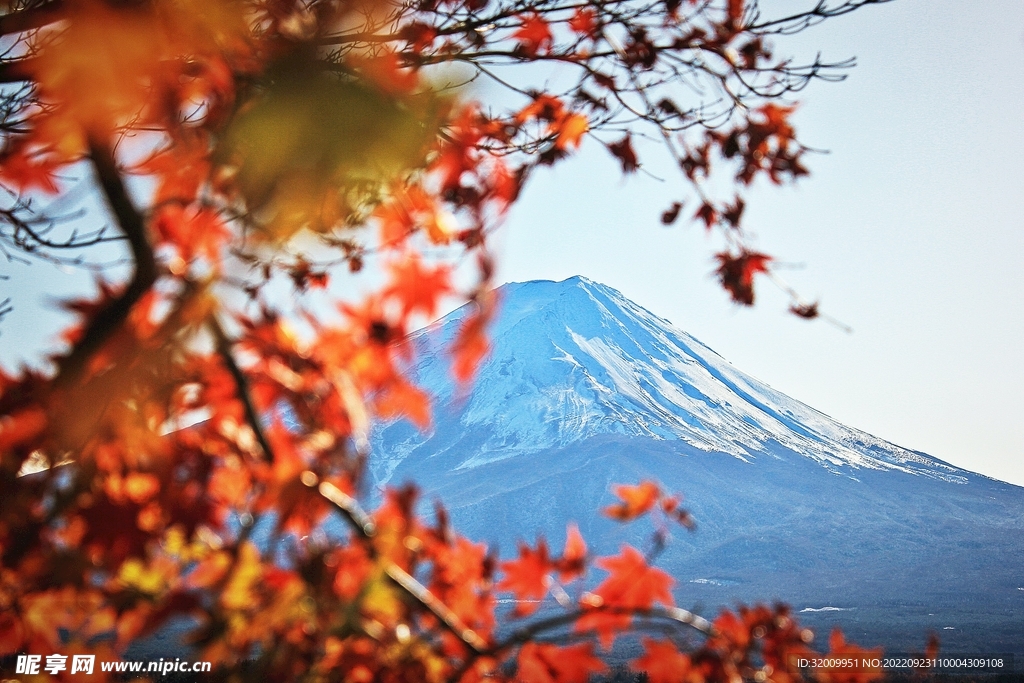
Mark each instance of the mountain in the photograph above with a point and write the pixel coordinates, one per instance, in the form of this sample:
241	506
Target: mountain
584	389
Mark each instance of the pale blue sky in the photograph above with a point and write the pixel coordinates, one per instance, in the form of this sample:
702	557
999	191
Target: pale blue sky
909	231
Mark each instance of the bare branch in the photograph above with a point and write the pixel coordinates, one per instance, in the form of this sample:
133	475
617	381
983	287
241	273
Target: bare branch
110	319
241	387
23	20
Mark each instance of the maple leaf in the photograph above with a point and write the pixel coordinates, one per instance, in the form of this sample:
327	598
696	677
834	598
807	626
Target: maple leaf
193	232
636	500
624	152
777	118
533	34
546	663
25	171
179	169
420	36
840	650
574	558
736	273
527	577
545	107
470	346
400	215
734	212
807	311
669	216
633	583
417	286
662	662
239	591
584	22
607	625
707	213
399	398
570	130
456	155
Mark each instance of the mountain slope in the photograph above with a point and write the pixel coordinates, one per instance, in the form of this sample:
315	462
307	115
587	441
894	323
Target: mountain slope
575	359
584	389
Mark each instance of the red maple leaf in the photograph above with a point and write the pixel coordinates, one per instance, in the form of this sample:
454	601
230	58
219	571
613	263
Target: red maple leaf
633	584
574	557
736	273
584	22
527	577
840	650
26	171
707	213
545	663
417	286
533	34
662	662
624	152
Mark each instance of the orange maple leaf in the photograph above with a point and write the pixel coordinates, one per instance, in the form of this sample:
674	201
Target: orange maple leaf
401	399
636	500
662	662
193	232
545	107
570	130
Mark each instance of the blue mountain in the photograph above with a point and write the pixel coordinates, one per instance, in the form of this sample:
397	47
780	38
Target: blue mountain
584	389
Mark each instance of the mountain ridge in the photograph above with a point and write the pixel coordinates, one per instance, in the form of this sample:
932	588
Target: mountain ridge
631	372
584	389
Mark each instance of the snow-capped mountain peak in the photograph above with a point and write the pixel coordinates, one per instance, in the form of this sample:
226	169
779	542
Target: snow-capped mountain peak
575	359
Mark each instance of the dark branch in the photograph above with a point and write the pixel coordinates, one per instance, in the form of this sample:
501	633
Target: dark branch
241	387
28	19
110	319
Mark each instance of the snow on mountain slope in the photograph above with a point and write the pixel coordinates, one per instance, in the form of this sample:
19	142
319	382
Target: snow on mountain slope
576	359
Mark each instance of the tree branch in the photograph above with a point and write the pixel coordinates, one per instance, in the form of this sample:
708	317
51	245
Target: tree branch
366	529
110	319
28	19
241	387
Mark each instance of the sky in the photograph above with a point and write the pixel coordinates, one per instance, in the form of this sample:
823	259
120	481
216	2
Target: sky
908	230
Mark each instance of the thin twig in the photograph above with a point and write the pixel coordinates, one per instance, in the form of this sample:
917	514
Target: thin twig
366	529
241	387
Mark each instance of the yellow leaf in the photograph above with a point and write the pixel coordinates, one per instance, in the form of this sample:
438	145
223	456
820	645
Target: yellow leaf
238	594
571	131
